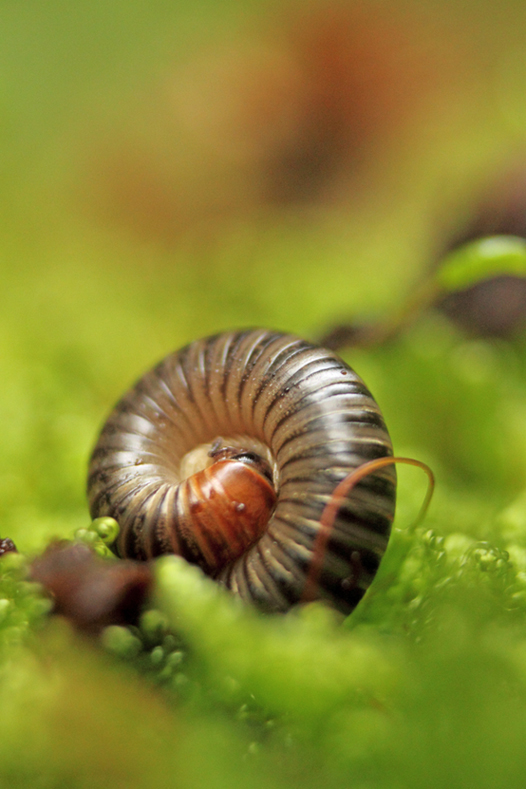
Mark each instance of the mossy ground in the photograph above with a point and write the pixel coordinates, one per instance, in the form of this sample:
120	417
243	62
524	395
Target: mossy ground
425	684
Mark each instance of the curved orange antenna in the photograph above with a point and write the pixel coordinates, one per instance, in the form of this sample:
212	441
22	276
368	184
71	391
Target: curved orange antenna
338	497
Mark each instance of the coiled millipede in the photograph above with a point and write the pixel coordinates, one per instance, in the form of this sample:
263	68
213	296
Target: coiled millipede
227	453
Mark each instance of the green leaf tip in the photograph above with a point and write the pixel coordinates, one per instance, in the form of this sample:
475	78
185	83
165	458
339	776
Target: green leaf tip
486	257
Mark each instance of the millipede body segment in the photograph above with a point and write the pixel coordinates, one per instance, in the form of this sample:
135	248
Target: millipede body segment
227	453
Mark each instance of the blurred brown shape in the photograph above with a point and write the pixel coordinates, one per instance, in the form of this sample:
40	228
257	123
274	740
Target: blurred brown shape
364	71
281	116
347	335
91	592
497	306
491	308
129	189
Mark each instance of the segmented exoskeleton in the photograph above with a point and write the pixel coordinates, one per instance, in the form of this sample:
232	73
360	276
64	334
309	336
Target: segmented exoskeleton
227	453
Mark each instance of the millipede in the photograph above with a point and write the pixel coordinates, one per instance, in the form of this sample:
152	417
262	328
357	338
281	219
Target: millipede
228	452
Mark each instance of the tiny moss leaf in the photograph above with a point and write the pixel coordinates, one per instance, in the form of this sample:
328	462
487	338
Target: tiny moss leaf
487	257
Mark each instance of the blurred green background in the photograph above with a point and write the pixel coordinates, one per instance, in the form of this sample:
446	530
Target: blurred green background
173	170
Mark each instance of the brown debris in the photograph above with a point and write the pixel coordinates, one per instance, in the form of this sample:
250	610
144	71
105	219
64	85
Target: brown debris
91	592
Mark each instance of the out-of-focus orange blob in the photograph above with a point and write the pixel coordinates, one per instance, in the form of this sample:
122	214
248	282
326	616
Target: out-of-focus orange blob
285	116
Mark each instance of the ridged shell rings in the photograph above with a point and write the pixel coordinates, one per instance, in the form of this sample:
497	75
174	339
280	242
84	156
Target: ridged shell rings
227	453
